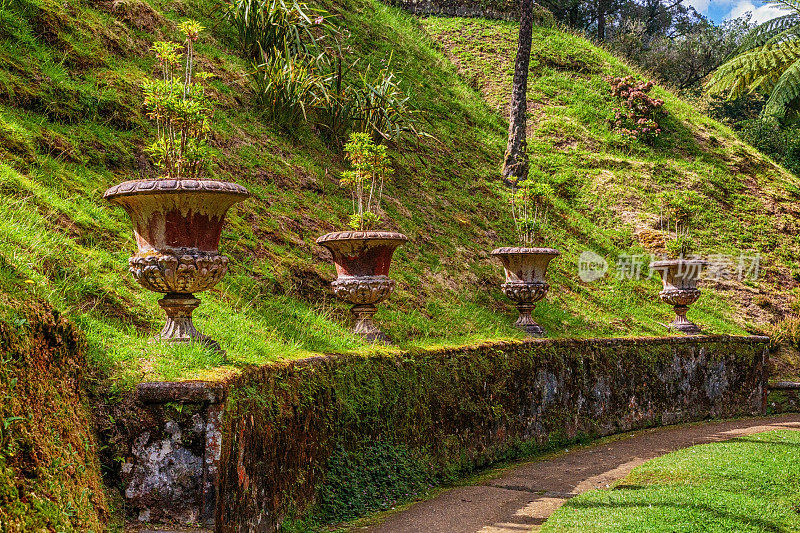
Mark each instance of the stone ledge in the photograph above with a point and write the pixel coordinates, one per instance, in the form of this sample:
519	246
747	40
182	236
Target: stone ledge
784	385
156	392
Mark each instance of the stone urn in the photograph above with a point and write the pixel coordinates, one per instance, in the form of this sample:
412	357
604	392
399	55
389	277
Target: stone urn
362	260
680	277
526	282
177	225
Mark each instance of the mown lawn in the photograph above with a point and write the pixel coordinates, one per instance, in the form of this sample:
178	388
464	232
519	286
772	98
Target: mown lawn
745	484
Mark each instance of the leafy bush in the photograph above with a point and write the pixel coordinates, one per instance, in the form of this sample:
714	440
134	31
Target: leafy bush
639	112
779	141
180	107
263	26
286	88
292	46
375	105
365	181
381	108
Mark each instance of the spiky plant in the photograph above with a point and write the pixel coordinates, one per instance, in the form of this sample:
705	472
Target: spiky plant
768	62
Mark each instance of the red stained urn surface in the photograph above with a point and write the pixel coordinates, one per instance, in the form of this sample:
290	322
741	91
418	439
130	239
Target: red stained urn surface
362	253
170	214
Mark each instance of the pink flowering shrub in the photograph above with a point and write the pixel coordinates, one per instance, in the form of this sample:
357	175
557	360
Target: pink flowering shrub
639	112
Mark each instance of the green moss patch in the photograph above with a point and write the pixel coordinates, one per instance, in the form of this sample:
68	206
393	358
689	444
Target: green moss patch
49	472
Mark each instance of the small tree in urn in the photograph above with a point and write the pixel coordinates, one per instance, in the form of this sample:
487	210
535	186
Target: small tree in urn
178	217
526	267
680	276
363	256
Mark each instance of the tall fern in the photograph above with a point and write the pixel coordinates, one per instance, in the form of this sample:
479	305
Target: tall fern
768	61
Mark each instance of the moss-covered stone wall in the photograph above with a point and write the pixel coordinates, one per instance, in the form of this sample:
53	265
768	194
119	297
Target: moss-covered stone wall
334	437
49	472
491	9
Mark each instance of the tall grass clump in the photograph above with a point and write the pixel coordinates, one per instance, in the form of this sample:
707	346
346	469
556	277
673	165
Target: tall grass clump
303	73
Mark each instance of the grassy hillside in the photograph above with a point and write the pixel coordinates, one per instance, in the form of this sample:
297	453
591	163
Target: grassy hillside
71	125
749	205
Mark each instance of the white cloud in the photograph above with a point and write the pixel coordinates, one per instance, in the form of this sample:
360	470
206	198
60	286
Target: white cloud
760	13
701	6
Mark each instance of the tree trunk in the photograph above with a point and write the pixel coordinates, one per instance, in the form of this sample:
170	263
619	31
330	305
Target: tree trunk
601	20
515	164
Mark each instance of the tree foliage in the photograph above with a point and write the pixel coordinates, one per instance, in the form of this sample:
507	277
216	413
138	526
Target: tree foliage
768	61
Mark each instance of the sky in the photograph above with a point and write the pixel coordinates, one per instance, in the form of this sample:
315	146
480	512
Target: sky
720	10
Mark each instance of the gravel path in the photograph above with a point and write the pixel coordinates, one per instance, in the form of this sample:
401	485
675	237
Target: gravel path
522	498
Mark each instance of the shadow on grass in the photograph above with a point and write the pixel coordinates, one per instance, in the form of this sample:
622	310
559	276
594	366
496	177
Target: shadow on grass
681	508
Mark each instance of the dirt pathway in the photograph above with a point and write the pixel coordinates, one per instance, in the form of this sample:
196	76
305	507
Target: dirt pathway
521	499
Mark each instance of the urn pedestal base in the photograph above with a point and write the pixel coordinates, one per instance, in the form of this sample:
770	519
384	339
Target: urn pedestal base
364	292
179	327
525	294
526	323
365	325
682	324
680	300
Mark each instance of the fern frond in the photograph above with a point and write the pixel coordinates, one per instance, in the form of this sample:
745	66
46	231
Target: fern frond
768	31
785	93
789	5
758	69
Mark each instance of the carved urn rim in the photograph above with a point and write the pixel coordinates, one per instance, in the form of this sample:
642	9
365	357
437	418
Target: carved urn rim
173	186
522	250
678	262
362	236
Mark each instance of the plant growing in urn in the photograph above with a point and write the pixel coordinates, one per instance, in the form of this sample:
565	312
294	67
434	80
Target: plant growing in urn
178	218
363	256
525	266
679	276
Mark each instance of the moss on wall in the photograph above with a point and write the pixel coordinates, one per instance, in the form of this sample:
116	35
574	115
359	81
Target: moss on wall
49	474
335	437
490	9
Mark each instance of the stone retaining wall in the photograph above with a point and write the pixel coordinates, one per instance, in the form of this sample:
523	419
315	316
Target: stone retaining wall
490	9
173	436
317	436
783	397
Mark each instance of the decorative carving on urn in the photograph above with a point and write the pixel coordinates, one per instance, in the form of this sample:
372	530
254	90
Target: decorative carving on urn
679	278
362	260
526	270
185	271
177	225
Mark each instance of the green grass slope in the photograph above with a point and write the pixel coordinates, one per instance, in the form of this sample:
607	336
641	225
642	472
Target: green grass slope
746	484
71	124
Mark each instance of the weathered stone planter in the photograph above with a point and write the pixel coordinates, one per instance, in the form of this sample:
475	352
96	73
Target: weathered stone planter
680	277
177	225
362	260
526	282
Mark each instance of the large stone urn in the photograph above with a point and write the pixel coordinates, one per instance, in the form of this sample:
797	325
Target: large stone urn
362	260
679	277
526	282
177	225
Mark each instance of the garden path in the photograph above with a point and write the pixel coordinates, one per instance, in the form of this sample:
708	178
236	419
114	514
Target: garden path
521	498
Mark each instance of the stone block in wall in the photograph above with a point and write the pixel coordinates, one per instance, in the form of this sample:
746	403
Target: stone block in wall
170	472
783	397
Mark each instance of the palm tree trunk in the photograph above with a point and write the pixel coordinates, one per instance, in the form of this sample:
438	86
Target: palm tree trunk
515	164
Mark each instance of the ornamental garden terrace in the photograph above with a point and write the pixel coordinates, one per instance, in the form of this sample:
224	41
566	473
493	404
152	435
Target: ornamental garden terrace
277	266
